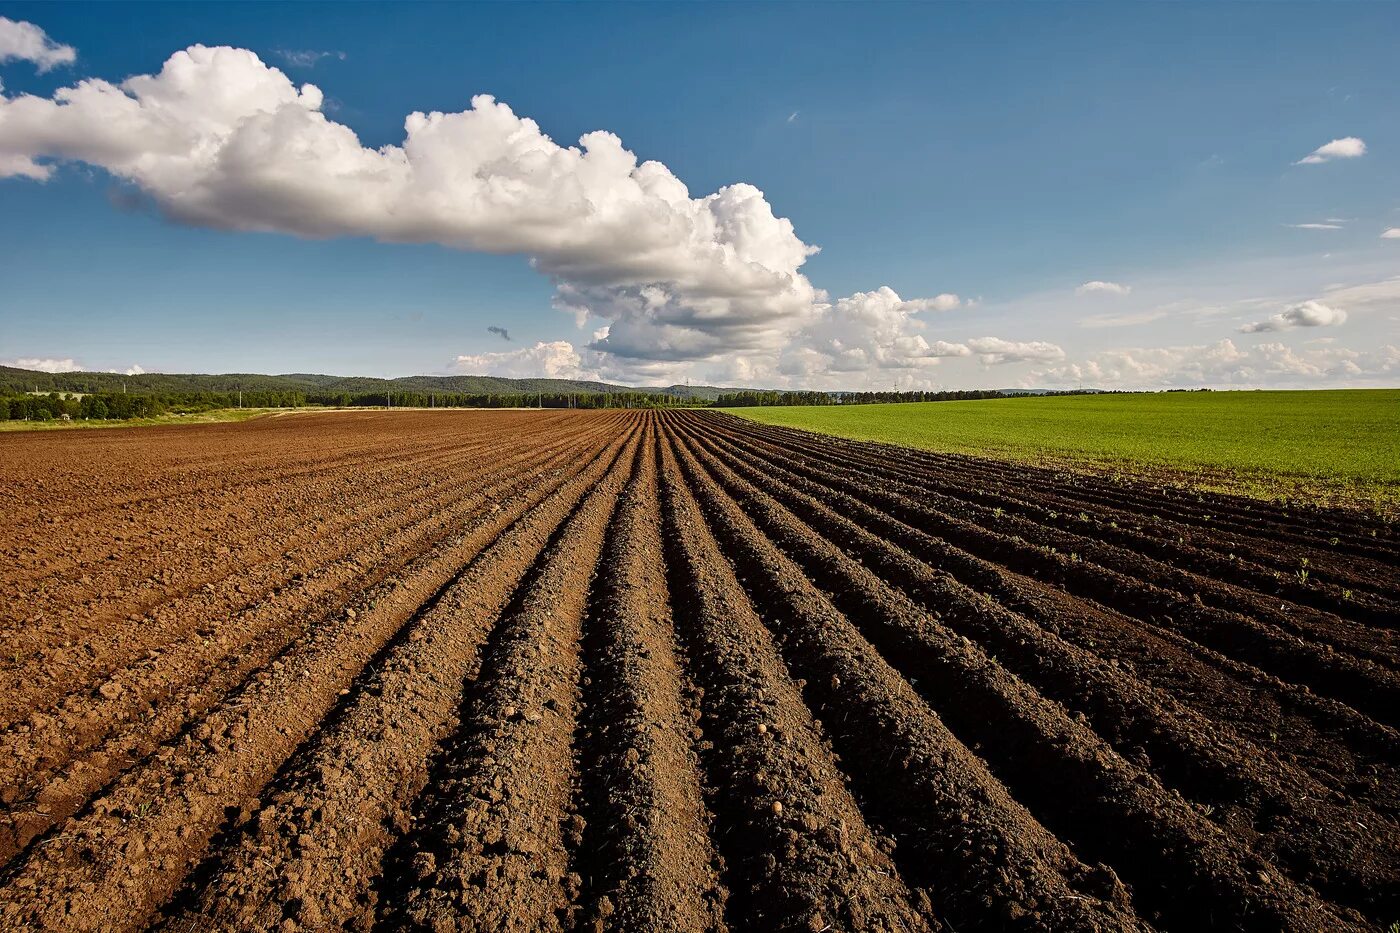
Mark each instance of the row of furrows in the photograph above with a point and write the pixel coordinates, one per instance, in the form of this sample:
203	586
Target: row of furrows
175	669
1111	578
1358	589
1357	533
306	567
1347	750
314	851
210	489
645	857
1340	576
239	558
53	767
1334	579
128	849
235	549
1073	782
596	708
1325	838
281	556
493	831
185	466
975	853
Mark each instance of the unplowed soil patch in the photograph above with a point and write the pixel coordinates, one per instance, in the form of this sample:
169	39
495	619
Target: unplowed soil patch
676	671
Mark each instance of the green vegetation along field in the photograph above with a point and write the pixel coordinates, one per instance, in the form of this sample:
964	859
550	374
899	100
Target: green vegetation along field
213	416
1336	446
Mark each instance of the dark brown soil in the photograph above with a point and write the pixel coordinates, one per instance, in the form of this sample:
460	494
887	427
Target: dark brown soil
636	671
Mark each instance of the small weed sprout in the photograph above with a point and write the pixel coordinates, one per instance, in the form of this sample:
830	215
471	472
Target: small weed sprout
1303	575
998	512
1346	595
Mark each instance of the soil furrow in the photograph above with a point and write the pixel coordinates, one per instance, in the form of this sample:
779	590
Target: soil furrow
492	850
646	858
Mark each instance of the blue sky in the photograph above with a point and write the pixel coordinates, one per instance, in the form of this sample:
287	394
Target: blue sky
1006	154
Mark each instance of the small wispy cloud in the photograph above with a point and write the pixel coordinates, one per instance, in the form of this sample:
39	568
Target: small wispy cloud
306	58
1112	288
1317	226
27	42
1123	320
499	332
1392	234
792	117
1348	147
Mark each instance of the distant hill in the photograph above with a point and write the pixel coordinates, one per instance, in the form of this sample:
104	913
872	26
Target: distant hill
25	380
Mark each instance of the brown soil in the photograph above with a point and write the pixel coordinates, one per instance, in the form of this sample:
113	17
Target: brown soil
640	671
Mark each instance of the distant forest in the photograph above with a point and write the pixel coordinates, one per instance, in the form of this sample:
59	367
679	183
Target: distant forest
17	381
29	395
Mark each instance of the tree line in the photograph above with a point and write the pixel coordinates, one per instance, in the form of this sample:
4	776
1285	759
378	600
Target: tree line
119	406
753	397
387	399
104	406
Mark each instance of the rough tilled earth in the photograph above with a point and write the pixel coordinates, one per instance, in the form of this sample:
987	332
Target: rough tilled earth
642	671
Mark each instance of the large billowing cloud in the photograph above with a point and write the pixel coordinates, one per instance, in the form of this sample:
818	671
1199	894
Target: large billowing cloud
220	139
27	42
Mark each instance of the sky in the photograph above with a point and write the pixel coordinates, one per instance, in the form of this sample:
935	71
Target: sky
832	196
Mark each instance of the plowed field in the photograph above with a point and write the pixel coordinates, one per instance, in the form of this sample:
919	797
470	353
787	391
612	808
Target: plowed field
639	671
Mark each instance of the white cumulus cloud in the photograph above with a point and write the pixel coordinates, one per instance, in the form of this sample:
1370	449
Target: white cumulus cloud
1303	314
220	139
1392	234
1112	288
992	351
27	42
45	365
553	360
866	331
1348	147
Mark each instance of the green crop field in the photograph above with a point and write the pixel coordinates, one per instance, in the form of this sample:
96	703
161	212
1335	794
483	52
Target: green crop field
1337	447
